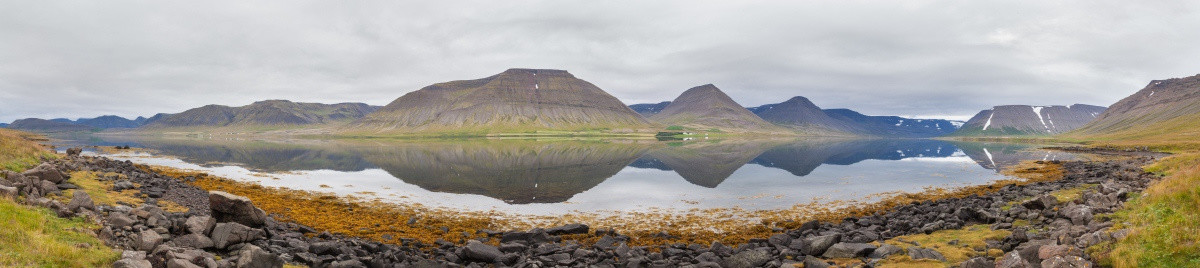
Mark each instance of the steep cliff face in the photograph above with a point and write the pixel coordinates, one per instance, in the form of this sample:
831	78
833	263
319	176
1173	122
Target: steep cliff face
262	113
1008	120
707	107
515	100
1163	108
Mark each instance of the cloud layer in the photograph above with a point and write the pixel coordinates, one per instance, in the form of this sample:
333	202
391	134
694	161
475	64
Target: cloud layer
922	58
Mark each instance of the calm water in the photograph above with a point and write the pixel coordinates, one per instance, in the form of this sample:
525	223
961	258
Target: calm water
551	177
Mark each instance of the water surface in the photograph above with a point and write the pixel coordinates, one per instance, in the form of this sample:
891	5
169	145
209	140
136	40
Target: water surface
550	177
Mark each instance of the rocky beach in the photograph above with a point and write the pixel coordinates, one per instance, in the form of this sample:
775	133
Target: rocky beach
181	225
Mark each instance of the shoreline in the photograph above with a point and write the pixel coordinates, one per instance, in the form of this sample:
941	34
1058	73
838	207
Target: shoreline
779	243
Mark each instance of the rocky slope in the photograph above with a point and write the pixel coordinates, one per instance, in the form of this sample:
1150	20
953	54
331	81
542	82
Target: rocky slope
262	113
515	100
1009	120
1164	107
46	126
707	107
649	109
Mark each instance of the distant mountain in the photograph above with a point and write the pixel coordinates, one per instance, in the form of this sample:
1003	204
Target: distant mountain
517	100
1163	111
893	126
263	113
152	119
42	125
4	125
706	107
61	120
1009	120
801	114
108	121
648	109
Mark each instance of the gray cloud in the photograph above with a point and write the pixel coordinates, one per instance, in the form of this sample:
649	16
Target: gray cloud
922	58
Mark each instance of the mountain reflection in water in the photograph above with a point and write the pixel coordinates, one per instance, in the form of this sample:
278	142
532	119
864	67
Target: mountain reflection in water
531	171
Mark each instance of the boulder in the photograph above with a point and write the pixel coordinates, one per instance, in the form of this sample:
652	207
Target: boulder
8	192
1012	260
747	259
200	224
74	151
848	250
1050	251
231	233
1079	214
120	220
978	262
814	262
227	207
574	228
884	251
917	253
148	239
818	244
81	200
1066	262
254	257
45	171
476	251
181	263
781	240
131	263
1041	202
197	241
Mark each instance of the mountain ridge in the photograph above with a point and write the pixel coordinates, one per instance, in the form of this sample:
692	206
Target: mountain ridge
707	107
514	100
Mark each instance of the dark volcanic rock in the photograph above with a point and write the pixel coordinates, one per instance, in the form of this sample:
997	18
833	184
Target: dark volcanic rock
917	253
45	172
477	251
229	233
231	208
848	250
747	259
574	228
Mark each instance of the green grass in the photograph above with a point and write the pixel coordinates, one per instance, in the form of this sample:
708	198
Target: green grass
968	238
18	151
1165	221
36	237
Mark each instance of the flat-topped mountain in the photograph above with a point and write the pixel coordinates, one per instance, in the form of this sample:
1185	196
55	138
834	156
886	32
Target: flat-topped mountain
892	126
108	121
42	125
515	100
262	113
707	107
1163	108
649	109
1008	120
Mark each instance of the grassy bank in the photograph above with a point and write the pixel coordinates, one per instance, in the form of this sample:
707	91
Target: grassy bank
19	151
37	237
1165	221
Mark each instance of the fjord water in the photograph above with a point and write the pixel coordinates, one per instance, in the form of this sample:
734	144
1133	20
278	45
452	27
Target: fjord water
549	177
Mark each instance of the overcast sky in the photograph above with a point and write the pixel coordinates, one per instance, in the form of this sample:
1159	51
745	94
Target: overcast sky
908	58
